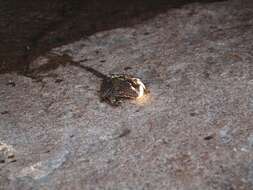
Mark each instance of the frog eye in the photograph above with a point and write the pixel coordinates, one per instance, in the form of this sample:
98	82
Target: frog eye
135	80
134	83
140	84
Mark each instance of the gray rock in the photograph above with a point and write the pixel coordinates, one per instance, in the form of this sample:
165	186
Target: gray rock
197	63
224	135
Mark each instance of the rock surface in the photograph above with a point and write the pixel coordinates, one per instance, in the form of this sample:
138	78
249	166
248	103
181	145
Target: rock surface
193	132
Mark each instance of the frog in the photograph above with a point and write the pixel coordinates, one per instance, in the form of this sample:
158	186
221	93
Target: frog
115	88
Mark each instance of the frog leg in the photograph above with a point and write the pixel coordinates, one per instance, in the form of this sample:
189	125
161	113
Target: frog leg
114	101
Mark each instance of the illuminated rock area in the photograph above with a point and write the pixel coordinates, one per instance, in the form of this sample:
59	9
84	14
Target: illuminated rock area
194	131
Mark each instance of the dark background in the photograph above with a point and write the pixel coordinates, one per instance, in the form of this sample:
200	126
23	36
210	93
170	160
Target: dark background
31	27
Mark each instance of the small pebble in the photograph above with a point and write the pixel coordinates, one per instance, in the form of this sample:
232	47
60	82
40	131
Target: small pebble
209	137
224	135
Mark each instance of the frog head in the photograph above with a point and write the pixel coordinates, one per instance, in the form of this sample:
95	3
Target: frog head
138	86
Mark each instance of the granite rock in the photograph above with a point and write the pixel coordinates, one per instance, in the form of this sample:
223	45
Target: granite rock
192	132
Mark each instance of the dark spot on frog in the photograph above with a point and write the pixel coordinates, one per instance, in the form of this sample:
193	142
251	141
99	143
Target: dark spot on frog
2	161
127	68
97	51
209	137
146	33
58	80
11	83
103	60
4	112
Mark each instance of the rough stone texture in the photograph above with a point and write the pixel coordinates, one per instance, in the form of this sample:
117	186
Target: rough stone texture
193	132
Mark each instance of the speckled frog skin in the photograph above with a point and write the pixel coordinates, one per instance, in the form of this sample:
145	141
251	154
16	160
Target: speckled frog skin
117	87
